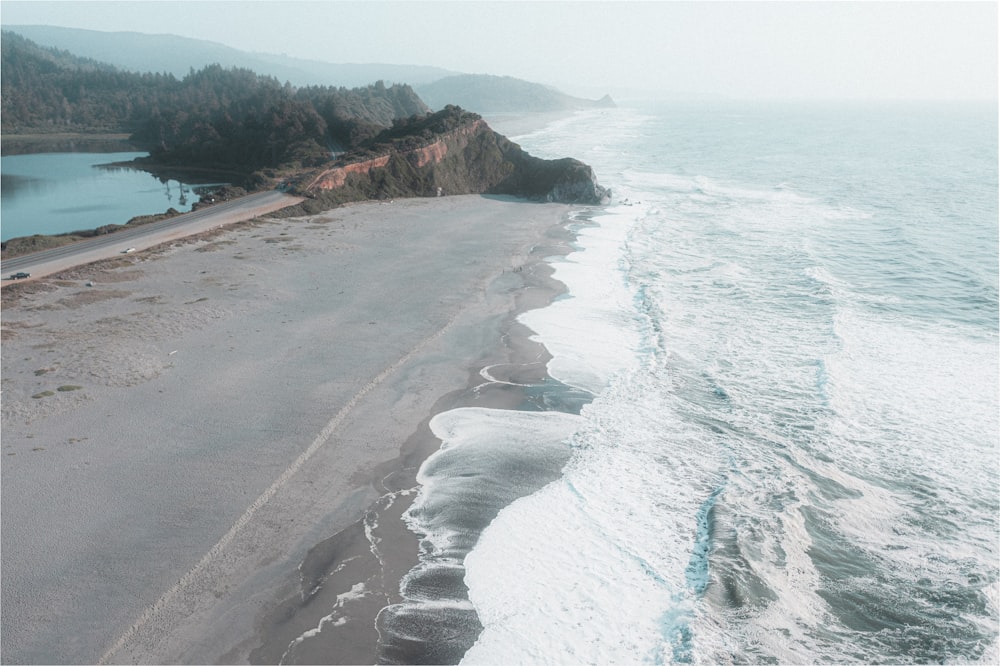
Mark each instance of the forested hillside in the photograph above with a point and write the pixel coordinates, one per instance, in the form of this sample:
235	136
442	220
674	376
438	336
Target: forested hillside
173	54
212	117
331	145
46	89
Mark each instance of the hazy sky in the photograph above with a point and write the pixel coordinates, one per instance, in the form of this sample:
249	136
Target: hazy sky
737	49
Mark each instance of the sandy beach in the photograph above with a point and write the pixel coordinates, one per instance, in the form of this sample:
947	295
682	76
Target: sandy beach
193	443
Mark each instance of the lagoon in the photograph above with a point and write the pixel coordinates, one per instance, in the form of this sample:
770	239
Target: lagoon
54	193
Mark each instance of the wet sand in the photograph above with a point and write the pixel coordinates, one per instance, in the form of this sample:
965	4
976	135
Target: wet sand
214	413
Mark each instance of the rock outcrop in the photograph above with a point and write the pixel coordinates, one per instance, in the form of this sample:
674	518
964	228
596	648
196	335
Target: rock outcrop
449	152
336	177
565	180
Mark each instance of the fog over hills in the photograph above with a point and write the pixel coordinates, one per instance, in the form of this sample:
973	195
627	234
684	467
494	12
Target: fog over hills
179	56
139	52
485	93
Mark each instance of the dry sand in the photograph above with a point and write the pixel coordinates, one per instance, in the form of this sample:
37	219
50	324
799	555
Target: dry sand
180	436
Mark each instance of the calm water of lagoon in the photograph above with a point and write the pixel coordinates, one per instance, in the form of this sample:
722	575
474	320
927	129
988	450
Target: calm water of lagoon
53	193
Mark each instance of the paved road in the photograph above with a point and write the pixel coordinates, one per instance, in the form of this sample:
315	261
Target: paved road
46	262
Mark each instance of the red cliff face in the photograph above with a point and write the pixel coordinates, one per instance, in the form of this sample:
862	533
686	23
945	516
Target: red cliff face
431	154
333	178
469	158
419	157
436	151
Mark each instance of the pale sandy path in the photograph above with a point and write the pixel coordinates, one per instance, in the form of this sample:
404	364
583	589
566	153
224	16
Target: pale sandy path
225	404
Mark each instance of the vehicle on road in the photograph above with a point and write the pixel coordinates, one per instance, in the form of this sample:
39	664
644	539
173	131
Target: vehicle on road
20	276
128	250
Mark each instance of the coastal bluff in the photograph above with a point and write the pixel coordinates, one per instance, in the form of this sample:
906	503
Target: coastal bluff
445	153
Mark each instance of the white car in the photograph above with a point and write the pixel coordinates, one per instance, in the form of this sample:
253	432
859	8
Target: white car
127	250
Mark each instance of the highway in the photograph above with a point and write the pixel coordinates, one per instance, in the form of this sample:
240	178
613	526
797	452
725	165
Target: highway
46	262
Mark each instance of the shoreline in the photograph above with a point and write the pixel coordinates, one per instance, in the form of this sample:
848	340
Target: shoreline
453	291
380	547
59	142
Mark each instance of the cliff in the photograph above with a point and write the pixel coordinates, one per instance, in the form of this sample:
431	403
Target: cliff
454	152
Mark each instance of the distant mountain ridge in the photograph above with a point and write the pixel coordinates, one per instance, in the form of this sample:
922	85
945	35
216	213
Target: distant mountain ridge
486	93
171	54
179	56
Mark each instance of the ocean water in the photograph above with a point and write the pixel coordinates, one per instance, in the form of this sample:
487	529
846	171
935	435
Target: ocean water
786	329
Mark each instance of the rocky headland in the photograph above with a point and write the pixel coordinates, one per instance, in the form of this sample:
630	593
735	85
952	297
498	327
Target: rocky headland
330	145
449	152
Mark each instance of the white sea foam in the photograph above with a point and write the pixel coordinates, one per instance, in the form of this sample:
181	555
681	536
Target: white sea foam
619	524
549	588
484	455
918	402
791	454
335	619
591	333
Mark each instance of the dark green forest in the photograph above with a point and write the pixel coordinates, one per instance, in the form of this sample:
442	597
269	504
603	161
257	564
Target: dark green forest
213	117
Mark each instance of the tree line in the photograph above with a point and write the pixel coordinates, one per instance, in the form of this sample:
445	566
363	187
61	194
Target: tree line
213	117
